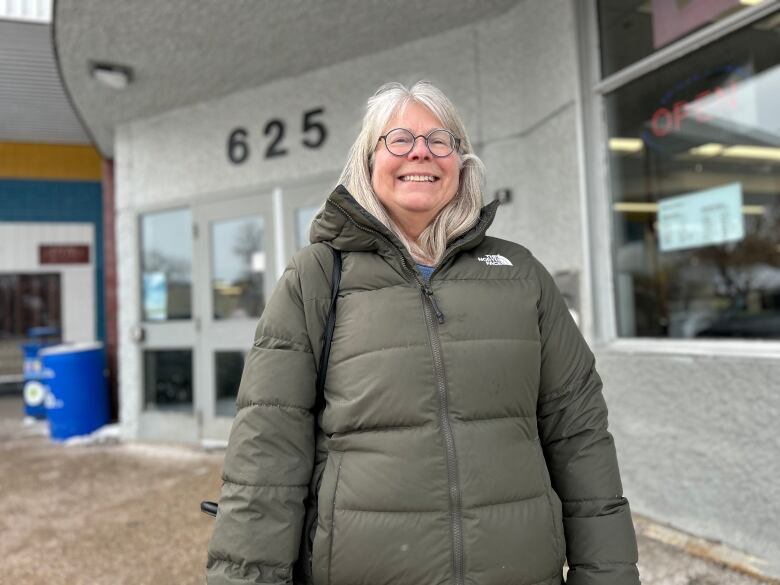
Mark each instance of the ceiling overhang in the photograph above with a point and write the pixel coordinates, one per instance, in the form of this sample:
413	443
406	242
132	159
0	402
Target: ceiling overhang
33	105
183	52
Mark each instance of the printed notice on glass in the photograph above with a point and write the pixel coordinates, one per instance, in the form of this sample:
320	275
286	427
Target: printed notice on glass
703	218
155	296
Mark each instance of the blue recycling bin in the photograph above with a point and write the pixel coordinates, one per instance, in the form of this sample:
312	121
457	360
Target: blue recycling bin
34	391
77	393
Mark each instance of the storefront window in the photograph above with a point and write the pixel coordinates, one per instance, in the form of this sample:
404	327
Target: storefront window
166	265
632	30
695	183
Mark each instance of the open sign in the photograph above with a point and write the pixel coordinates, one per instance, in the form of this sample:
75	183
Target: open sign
666	120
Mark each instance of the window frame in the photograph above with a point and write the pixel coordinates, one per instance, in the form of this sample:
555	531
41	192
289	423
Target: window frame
596	188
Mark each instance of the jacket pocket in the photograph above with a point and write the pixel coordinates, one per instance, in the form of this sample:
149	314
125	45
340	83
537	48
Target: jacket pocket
554	504
322	545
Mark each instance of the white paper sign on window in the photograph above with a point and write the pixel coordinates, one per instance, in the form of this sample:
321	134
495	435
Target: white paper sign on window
155	296
703	218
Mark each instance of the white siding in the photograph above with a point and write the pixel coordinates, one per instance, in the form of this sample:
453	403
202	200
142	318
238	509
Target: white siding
19	244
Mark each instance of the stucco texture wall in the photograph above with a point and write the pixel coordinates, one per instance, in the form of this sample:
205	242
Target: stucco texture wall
698	444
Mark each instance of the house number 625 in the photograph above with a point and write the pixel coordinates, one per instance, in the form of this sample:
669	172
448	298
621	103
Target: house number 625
313	129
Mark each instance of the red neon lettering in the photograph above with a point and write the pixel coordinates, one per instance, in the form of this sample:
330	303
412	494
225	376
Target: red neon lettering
679	113
661	122
664	120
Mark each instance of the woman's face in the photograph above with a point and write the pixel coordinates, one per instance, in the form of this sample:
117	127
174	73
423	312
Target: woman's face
416	187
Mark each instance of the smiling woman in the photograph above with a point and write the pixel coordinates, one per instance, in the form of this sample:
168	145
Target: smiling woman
461	435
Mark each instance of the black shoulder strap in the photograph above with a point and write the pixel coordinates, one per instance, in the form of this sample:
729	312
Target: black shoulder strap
330	324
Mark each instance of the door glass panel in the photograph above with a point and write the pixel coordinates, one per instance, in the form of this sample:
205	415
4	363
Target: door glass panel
238	267
303	219
166	264
228	366
168	380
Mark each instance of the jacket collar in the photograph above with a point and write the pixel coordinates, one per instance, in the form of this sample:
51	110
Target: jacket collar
346	225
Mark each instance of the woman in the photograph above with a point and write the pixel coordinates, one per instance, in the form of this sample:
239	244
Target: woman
456	380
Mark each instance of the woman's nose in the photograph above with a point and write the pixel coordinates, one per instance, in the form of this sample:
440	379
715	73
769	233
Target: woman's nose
419	149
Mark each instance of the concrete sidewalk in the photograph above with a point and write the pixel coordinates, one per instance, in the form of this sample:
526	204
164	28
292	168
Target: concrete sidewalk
116	514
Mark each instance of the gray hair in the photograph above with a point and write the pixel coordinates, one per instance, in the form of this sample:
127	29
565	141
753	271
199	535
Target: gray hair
461	213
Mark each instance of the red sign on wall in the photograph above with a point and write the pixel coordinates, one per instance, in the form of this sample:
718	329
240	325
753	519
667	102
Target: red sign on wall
63	254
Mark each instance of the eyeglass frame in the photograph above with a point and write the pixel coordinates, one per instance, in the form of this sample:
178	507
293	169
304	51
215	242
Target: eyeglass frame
455	147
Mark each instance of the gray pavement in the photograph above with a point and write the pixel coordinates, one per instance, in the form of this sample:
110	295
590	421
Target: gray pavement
115	514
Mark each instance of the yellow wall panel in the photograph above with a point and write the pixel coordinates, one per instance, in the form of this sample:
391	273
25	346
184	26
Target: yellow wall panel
49	161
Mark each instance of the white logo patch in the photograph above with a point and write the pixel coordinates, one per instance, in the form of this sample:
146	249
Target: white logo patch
495	260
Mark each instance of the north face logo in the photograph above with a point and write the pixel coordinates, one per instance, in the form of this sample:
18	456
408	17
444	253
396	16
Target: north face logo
495	260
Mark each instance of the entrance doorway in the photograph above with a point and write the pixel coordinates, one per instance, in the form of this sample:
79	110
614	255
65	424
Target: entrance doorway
207	272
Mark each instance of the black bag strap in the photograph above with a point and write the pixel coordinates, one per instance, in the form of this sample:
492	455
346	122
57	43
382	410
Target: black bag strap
330	324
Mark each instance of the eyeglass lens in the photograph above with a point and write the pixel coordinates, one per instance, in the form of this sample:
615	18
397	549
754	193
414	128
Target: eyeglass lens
400	142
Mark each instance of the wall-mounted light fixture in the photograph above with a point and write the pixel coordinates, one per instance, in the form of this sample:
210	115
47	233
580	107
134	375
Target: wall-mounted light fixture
503	195
110	74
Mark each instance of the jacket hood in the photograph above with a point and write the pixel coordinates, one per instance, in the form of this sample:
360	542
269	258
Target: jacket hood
346	225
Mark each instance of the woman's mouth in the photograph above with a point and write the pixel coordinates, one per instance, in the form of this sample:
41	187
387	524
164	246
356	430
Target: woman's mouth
418	178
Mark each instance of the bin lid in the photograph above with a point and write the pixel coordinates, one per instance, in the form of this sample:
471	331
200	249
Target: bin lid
71	348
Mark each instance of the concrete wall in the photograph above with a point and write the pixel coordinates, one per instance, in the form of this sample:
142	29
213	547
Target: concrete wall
698	445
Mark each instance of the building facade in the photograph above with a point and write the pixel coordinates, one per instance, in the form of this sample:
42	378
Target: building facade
635	149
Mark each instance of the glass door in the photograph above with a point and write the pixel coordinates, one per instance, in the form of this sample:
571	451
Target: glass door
235	255
167	336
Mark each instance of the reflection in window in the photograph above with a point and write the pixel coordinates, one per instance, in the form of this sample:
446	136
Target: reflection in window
630	31
29	304
168	380
239	265
166	265
228	367
303	218
695	176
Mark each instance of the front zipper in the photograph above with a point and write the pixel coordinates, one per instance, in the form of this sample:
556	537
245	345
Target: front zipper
428	292
449	440
431	307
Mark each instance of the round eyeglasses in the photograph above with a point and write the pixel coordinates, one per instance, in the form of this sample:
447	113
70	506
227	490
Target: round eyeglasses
440	142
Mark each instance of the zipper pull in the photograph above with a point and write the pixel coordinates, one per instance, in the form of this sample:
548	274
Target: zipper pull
439	315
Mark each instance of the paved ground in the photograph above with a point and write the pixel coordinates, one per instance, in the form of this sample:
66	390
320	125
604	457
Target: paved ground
116	514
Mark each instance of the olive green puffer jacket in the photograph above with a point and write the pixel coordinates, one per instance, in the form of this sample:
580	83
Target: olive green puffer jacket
457	414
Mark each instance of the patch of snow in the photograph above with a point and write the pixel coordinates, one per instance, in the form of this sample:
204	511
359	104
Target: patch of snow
105	434
214	444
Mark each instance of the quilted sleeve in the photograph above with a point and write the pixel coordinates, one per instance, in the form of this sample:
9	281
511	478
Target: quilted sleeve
270	453
579	451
